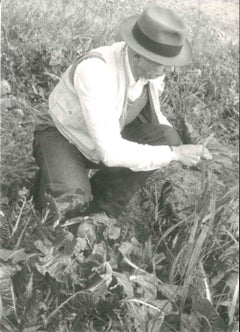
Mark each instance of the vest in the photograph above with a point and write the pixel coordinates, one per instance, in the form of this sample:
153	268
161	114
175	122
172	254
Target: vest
65	109
134	108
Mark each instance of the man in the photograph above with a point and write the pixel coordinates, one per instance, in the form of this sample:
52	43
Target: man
104	114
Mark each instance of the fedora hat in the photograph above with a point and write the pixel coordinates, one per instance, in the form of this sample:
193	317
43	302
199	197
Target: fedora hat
159	35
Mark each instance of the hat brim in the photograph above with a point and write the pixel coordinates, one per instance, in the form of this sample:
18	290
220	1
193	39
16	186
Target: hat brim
183	58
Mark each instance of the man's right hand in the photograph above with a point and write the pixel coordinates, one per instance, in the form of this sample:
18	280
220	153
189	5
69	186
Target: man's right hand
190	155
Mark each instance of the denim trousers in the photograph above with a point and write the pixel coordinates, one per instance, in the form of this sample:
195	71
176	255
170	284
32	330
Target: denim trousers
63	170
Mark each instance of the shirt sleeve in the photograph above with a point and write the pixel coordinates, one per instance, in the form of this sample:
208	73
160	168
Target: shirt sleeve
97	96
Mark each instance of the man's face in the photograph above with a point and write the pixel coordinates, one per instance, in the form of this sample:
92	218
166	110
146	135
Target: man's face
149	69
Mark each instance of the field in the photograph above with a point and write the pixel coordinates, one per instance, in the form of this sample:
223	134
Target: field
170	262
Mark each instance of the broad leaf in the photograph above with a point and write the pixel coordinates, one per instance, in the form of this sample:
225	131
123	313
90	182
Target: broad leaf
171	291
203	308
112	232
15	256
124	281
87	230
128	248
146	285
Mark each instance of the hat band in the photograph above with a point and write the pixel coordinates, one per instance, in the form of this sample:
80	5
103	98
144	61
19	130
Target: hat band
155	47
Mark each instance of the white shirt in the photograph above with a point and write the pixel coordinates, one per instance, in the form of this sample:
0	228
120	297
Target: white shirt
135	88
92	86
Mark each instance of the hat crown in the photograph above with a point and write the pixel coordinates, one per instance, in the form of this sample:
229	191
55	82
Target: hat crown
159	35
162	26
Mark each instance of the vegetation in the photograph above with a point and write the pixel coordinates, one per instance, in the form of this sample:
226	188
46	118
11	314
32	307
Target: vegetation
170	262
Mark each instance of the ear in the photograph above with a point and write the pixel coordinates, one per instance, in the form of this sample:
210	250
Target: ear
137	59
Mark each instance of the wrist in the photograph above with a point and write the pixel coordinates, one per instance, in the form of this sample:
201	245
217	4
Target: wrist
175	154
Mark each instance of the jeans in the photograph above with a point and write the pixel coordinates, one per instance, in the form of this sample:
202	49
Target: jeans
63	171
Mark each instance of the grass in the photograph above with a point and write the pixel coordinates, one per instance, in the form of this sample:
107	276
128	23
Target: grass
170	262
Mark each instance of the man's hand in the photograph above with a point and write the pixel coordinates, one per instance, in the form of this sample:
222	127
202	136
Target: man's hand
190	155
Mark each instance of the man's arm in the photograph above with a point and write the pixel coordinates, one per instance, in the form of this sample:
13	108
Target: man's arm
97	97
